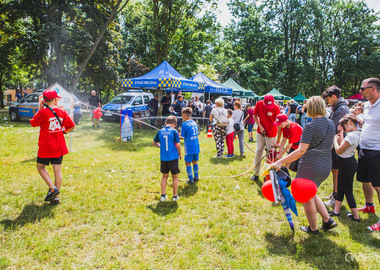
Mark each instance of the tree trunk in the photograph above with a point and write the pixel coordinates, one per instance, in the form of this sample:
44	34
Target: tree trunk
1	91
114	12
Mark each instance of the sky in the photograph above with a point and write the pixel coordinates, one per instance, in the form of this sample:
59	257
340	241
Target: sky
224	15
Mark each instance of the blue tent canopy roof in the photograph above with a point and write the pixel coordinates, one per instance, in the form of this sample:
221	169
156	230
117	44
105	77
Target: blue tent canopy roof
210	86
163	76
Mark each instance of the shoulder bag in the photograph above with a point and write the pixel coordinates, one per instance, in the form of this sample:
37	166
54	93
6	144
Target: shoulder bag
221	123
56	116
237	125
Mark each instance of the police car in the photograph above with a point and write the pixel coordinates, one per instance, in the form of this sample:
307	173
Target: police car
136	100
28	106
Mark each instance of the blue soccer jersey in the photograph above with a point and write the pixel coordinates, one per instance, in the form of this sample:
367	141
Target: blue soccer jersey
167	137
190	133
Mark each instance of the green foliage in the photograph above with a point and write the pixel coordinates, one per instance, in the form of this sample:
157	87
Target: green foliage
292	45
301	46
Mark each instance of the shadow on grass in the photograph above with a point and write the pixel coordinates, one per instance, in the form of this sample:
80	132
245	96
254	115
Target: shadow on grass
164	208
358	230
259	184
318	251
224	160
30	160
30	214
188	190
110	132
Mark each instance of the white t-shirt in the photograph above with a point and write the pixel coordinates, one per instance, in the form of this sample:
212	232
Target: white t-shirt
238	117
220	114
353	139
199	105
370	137
230	127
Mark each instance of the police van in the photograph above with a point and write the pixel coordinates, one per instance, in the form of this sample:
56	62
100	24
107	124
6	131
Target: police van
136	100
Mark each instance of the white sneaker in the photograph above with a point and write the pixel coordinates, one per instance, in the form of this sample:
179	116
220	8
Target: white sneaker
330	203
163	198
328	197
175	198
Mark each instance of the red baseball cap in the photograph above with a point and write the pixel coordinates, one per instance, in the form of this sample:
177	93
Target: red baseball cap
49	94
269	102
281	118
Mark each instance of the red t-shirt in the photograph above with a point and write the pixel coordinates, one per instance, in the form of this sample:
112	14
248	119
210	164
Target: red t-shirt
250	119
267	118
51	142
293	134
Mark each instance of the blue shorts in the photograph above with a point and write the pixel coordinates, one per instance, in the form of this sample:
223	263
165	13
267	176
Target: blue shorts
190	158
250	127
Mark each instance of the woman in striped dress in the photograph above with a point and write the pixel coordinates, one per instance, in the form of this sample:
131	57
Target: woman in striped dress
314	153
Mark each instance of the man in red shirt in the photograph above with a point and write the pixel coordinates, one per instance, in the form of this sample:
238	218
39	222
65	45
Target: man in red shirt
264	114
290	132
53	123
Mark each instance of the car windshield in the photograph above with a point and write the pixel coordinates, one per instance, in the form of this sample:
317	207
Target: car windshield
121	100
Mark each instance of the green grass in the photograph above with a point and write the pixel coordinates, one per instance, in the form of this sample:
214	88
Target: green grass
111	217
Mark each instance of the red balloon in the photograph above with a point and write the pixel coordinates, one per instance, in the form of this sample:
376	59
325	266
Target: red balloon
267	191
303	189
96	114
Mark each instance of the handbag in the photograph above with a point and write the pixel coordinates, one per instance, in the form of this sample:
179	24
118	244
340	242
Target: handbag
221	123
237	125
293	166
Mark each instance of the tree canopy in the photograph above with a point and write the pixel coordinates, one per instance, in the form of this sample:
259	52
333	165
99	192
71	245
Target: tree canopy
296	46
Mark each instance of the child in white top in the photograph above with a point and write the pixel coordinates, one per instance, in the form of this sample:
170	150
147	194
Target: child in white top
345	148
230	135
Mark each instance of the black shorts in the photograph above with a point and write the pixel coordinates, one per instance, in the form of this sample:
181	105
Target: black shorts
334	160
47	161
171	166
369	167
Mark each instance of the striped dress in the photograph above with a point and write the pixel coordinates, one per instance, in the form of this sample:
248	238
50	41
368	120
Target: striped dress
315	164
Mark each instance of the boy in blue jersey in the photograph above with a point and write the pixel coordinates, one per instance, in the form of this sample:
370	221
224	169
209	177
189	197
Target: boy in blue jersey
167	139
190	134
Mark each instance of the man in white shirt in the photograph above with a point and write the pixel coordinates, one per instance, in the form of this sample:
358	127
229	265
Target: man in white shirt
369	156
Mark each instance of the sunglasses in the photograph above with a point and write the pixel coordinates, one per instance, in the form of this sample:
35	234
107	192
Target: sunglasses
362	88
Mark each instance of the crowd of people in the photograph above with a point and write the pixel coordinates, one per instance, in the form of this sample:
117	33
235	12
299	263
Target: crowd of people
323	141
312	139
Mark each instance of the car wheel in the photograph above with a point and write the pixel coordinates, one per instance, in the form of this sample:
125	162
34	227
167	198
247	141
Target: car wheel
13	114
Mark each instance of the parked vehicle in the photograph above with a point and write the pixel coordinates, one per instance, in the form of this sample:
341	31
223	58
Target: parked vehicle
29	105
136	100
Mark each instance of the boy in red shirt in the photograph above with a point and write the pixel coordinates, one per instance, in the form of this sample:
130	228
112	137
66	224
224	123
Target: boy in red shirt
291	132
53	122
250	122
264	114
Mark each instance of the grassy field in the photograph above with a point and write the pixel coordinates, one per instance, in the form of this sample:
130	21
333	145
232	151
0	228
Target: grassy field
111	217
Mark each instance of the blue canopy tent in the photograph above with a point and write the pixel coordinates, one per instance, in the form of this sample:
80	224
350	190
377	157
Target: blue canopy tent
165	77
210	86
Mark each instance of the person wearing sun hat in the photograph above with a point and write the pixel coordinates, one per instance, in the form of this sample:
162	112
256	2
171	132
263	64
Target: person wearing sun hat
264	114
291	133
53	123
